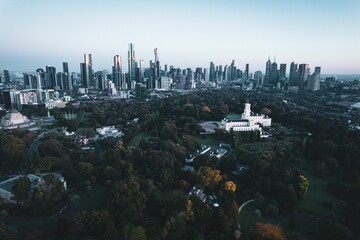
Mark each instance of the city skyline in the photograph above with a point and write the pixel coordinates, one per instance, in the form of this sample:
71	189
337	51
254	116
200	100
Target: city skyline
187	34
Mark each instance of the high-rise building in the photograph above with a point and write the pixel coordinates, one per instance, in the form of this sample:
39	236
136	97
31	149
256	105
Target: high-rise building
258	77
6	76
267	71
274	73
313	83
304	71
212	76
142	68
50	81
294	74
157	63
87	78
65	67
131	64
117	72
247	71
282	72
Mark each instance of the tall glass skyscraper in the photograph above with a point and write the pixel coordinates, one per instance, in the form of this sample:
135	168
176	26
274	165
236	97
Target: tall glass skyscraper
117	72
131	64
87	78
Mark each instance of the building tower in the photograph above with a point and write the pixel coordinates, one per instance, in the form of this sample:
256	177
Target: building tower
157	64
267	72
274	73
117	72
247	71
6	76
304	71
87	78
294	74
131	64
212	76
142	69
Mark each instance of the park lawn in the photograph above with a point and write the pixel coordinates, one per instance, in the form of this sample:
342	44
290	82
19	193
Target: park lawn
135	141
247	216
207	140
318	193
303	228
93	199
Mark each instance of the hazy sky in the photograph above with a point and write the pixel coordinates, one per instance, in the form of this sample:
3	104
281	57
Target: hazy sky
187	33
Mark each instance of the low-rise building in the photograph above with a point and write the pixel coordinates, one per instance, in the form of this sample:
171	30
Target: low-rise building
35	181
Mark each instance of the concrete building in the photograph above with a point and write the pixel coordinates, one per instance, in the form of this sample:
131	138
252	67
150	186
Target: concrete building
13	119
248	121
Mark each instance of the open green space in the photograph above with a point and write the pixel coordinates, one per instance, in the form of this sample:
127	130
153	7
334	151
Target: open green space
135	141
207	140
93	199
317	194
247	216
233	116
305	229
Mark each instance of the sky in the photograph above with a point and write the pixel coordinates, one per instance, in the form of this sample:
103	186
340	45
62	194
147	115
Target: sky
187	33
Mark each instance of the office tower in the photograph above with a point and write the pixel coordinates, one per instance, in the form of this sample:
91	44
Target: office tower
267	71
239	74
131	64
166	68
232	71
0	79
66	82
273	73
313	83
40	76
294	74
117	73
28	81
65	67
304	71
6	76
50	77
247	71
282	73
212	76
142	68
258	77
206	74
87	78
157	63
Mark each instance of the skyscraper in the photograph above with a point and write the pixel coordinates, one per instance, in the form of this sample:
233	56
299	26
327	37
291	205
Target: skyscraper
117	72
294	74
267	71
50	77
65	67
313	83
274	73
282	73
247	71
212	76
142	68
304	71
131	64
6	76
157	64
87	78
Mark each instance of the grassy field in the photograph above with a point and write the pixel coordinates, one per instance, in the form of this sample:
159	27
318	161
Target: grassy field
247	216
207	140
303	228
93	199
318	193
136	140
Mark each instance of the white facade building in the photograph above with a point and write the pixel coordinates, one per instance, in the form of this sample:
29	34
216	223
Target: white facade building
13	119
248	121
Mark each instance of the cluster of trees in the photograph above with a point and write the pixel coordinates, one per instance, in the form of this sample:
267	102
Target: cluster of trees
147	190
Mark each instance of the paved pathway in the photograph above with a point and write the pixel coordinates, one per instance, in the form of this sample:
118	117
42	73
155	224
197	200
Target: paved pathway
245	203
